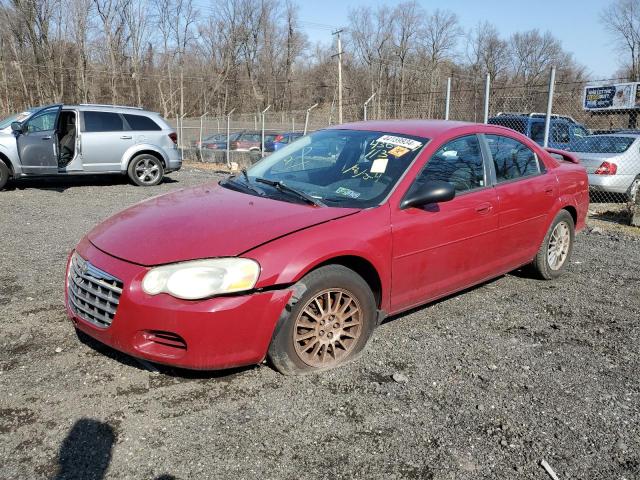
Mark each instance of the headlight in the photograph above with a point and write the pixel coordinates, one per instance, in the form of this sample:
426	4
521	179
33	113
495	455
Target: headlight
202	278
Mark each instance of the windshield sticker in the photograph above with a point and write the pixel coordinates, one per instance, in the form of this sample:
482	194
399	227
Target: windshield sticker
398	151
347	192
400	141
379	165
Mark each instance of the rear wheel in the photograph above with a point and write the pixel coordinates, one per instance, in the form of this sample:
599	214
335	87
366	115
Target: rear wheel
4	174
556	249
328	325
146	170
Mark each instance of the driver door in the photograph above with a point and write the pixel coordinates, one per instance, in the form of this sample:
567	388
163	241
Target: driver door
441	248
38	142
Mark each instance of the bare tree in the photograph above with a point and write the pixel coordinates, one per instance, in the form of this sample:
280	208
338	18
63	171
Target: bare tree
622	20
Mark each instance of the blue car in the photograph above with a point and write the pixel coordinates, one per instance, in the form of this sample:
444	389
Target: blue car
563	132
281	140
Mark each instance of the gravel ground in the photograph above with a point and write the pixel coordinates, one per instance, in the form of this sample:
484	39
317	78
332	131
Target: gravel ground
487	383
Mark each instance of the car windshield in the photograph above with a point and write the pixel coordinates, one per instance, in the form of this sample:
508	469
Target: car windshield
17	117
602	144
341	168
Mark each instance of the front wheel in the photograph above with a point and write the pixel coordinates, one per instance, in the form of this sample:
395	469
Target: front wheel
556	249
4	174
328	325
146	170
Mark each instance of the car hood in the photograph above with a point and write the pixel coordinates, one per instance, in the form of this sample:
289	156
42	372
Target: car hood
203	222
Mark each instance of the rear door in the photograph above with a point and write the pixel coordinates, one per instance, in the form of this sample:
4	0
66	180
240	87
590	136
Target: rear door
526	194
38	145
105	139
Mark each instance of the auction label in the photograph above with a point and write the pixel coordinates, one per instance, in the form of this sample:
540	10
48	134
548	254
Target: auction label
401	141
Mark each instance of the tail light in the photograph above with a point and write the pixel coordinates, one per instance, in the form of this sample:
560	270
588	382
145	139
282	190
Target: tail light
278	138
174	137
606	168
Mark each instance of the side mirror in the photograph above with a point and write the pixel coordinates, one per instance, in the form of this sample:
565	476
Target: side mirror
17	127
433	191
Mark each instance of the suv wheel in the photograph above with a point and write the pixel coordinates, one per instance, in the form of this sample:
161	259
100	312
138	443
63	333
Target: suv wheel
4	174
146	170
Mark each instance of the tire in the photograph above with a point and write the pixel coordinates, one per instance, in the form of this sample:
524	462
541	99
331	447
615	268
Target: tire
557	246
5	174
146	170
303	343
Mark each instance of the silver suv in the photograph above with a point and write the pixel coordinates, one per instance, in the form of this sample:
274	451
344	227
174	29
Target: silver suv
88	139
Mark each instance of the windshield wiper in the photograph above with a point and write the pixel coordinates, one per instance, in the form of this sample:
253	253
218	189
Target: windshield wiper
245	185
283	187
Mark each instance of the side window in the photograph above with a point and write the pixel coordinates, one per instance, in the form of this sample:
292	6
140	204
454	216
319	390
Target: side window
140	122
578	132
458	162
537	132
560	133
103	122
44	121
511	158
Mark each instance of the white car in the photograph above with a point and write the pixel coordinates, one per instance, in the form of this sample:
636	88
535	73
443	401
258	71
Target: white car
612	162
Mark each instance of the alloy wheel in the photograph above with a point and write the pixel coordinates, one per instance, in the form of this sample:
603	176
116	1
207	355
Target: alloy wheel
559	243
147	170
328	328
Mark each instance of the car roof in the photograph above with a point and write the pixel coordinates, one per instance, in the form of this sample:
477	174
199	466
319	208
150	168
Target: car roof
418	128
109	108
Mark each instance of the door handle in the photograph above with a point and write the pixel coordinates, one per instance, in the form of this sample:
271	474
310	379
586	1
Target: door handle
126	137
484	208
548	189
48	137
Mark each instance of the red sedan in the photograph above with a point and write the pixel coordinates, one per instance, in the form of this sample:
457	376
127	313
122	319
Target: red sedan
301	257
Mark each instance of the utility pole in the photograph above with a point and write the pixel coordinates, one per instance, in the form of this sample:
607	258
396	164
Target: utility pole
339	55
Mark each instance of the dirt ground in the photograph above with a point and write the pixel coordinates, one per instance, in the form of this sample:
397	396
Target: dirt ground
496	379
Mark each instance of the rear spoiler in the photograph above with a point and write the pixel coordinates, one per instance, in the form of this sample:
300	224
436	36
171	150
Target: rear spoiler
566	156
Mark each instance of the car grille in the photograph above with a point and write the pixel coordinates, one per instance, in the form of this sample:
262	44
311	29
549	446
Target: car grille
93	294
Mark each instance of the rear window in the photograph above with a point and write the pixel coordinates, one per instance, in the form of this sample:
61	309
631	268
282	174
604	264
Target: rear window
103	122
598	144
517	124
140	122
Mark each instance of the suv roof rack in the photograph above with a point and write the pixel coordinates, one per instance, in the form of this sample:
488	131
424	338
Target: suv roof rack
537	115
108	106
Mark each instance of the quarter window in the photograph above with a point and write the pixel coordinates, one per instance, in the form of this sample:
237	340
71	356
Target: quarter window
511	158
103	122
140	122
459	162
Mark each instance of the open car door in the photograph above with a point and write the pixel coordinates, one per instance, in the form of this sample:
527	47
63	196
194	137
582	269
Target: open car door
38	141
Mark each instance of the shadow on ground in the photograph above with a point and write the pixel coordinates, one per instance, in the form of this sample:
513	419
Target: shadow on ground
61	184
86	451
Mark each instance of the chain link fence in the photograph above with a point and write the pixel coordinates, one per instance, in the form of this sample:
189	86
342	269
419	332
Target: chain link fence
603	133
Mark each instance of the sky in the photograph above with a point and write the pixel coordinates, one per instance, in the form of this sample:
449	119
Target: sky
574	22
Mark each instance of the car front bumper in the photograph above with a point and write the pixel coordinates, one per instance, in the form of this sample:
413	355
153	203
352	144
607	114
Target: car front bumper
208	334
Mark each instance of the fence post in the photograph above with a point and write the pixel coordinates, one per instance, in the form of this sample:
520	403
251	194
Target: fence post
447	102
262	143
366	104
547	120
181	142
228	155
200	137
306	118
487	92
